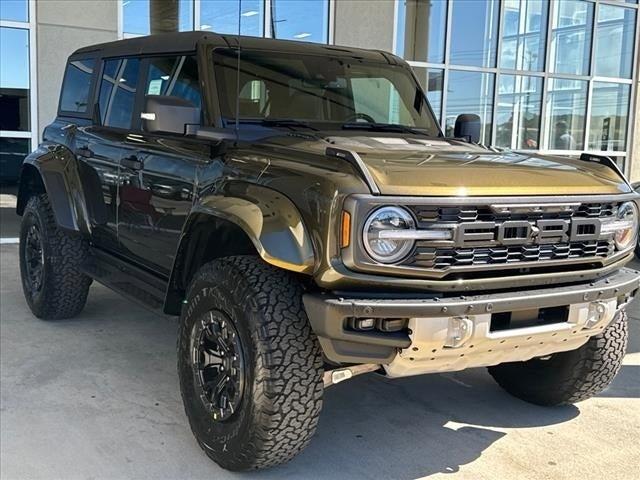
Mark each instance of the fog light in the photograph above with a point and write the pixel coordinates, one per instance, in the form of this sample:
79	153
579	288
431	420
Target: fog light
364	323
459	331
392	324
597	313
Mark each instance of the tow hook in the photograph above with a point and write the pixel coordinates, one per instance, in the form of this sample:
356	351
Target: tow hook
338	375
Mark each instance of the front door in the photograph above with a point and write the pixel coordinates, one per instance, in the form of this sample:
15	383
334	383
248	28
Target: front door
158	173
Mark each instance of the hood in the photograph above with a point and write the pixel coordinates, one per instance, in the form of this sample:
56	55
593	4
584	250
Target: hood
441	167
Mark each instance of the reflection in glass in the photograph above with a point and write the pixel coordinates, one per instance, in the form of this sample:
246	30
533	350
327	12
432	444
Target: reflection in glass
14	79
302	20
614	41
136	17
518	112
566	111
474	27
571	36
14	10
523	37
75	86
12	153
609	116
421	30
221	16
118	91
470	92
432	81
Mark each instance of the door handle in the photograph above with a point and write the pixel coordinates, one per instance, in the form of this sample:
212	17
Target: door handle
84	151
132	162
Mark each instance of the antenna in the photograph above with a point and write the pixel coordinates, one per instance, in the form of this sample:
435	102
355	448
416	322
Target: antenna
238	76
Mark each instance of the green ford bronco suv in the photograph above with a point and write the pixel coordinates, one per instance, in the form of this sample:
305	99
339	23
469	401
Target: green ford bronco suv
301	211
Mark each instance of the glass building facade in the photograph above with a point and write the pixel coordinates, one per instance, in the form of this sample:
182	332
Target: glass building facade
305	20
17	100
554	76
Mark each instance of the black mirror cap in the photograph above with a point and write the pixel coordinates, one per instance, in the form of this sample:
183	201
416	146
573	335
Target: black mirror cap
163	113
468	125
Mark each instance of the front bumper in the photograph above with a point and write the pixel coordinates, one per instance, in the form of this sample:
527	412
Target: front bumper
426	345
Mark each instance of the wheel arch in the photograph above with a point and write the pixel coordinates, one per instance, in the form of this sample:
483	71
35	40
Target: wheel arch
221	226
53	169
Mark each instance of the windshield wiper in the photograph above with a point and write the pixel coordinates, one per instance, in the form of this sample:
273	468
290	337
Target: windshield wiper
383	127
279	122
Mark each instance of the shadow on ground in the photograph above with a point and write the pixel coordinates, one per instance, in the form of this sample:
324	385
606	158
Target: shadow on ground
98	397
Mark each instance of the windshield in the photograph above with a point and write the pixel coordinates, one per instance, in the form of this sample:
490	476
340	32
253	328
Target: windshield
317	90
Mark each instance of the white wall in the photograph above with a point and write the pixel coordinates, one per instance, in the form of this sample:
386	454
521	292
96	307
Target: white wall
62	27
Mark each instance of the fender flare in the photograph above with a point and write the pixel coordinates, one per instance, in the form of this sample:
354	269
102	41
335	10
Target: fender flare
55	169
269	219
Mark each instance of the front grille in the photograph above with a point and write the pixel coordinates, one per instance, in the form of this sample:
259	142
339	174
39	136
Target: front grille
432	213
441	256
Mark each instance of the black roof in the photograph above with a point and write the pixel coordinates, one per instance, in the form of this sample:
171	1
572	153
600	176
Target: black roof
188	41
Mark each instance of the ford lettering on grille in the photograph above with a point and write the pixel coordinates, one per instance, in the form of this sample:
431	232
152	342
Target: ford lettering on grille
523	232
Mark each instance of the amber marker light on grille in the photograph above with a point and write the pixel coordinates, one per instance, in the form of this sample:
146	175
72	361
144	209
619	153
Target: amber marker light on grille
345	232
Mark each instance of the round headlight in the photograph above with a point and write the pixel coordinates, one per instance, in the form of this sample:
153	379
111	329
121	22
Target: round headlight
626	233
388	247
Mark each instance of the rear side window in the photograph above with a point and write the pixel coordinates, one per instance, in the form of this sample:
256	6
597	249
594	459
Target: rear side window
118	91
77	85
174	76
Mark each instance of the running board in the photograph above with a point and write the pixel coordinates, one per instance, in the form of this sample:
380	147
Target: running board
129	280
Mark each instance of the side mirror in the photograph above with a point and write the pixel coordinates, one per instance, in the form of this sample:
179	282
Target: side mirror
468	125
163	113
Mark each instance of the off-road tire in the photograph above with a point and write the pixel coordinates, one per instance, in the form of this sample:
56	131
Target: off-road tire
64	288
568	377
282	395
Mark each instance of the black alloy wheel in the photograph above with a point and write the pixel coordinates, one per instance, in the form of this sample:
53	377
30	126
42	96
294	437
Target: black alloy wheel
218	364
34	257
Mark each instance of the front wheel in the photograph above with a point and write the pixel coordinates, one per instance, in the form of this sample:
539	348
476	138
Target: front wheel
50	263
568	377
249	364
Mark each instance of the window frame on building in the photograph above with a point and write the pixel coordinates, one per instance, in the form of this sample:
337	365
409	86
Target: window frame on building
545	74
266	27
30	26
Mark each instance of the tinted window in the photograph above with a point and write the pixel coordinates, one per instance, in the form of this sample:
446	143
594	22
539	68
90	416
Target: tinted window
174	76
118	92
75	88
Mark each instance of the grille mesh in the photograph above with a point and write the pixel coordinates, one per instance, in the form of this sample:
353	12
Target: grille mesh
426	255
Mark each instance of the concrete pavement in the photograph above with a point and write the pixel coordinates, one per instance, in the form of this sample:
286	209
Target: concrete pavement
97	397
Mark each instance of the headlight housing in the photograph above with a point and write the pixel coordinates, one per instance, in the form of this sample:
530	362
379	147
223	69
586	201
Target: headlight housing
394	221
625	226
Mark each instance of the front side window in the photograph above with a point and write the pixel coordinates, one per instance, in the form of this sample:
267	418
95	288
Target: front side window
118	92
174	76
275	86
76	86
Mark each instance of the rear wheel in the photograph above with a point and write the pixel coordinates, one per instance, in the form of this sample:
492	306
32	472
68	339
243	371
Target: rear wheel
250	366
568	377
50	261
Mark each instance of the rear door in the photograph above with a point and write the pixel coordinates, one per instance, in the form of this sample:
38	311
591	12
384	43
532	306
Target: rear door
158	178
108	139
97	165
